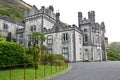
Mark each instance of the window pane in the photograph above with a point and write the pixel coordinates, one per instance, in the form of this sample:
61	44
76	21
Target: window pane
49	39
65	37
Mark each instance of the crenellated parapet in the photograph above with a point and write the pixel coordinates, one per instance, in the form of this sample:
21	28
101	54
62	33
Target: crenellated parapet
97	26
82	21
91	16
90	21
49	11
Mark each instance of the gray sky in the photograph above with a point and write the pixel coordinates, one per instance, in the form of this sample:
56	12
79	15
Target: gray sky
105	10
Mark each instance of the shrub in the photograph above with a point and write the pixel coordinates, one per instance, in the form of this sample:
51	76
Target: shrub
59	62
47	58
51	59
13	53
59	57
29	50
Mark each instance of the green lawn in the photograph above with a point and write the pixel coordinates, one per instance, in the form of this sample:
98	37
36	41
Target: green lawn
18	74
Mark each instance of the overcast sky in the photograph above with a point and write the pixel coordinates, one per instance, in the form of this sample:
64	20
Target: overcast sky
105	10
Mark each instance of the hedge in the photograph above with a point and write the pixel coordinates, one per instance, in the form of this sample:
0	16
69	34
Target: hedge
13	53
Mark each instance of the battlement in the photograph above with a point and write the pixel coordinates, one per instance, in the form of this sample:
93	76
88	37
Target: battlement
103	26
91	18
97	26
35	11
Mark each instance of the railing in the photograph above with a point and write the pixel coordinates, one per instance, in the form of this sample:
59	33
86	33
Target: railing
24	72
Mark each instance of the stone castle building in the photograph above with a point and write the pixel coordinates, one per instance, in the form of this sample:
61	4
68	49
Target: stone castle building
85	42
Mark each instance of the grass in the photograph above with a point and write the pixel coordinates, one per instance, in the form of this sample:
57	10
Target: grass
18	74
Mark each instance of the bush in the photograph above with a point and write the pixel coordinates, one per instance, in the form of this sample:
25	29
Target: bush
47	58
29	50
59	62
13	53
59	57
51	58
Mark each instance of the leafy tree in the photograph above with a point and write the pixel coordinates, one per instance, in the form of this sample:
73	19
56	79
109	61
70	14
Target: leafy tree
9	37
36	37
36	56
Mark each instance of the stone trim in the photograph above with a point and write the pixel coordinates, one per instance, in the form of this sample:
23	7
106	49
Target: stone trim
74	48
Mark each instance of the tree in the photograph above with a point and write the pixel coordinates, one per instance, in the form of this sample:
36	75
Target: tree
9	37
37	54
36	57
36	37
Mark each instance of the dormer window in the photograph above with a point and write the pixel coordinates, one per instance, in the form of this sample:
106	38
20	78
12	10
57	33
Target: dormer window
5	27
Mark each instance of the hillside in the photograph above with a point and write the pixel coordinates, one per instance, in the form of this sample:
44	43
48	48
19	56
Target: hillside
14	9
114	51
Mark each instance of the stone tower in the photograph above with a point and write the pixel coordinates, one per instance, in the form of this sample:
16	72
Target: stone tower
91	16
93	37
79	18
38	19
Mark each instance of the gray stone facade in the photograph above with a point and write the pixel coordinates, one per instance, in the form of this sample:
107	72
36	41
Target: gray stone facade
7	25
85	42
93	37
